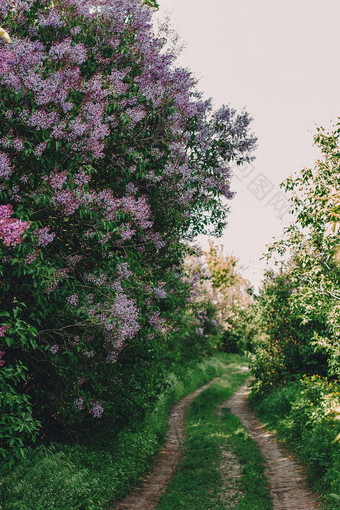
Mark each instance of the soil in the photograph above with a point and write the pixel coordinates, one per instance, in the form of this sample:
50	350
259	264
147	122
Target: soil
155	484
286	479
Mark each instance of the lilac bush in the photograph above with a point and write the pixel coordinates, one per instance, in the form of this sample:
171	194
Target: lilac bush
109	161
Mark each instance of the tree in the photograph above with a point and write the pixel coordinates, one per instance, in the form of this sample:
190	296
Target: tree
299	307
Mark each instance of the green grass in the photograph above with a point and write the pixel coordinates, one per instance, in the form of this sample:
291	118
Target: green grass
198	482
79	477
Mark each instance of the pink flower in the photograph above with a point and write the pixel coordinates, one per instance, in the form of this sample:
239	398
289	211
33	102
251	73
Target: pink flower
31	257
11	229
3	330
5	211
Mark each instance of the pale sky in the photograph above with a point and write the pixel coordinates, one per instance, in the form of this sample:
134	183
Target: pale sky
279	60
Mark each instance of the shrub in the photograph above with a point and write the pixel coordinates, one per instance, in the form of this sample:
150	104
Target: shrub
109	160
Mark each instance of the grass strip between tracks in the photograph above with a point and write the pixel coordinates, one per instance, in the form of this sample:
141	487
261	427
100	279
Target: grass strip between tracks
198	483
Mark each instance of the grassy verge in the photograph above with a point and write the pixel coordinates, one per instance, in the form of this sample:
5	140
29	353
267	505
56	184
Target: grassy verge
198	482
63	477
301	414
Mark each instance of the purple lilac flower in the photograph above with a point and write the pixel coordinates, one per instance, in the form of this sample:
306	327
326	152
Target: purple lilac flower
18	144
88	354
75	30
54	349
43	237
3	330
81	178
97	410
57	179
66	200
5	211
5	166
123	270
11	229
127	232
131	188
40	149
31	257
14	194
6	59
73	300
52	19
160	292
75	53
79	403
156	321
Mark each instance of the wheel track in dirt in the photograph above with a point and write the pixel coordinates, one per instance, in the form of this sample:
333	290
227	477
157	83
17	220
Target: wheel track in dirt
156	483
285	476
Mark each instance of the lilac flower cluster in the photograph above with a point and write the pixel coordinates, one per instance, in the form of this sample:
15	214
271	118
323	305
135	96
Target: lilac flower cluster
73	300
43	237
157	322
119	318
52	19
75	53
6	59
5	166
123	270
160	292
97	410
66	201
127	232
79	403
3	330
31	257
11	229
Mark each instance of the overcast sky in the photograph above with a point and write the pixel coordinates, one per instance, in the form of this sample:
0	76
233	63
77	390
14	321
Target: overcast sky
279	60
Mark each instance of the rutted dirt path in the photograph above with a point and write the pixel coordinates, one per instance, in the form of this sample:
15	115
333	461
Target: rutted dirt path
156	483
286	479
